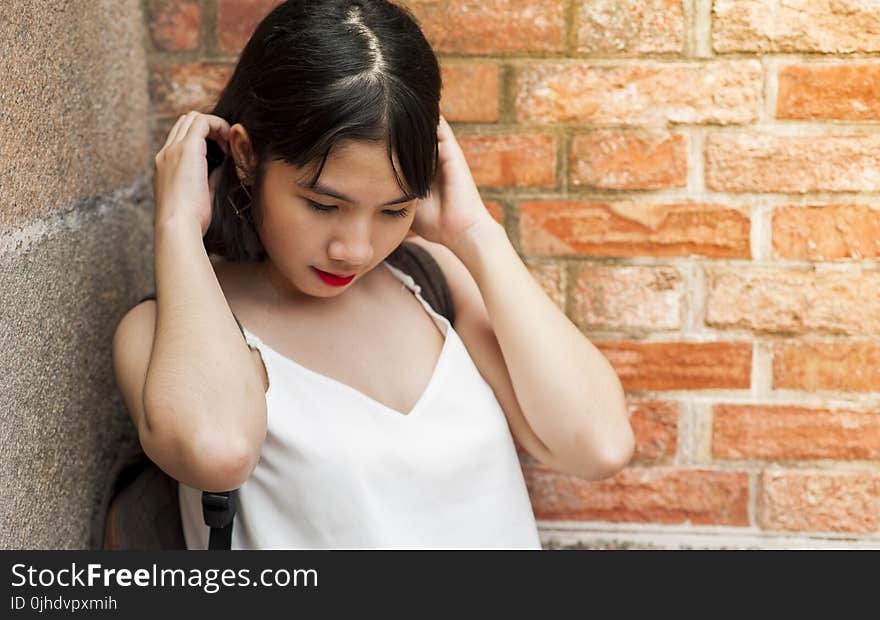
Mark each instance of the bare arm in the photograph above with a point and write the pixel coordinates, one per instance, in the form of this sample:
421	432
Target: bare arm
201	389
184	371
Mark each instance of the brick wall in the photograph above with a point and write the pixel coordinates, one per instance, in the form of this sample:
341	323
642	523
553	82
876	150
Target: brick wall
695	184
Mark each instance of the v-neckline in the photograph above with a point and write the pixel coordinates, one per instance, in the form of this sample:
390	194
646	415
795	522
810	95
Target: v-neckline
433	315
348	388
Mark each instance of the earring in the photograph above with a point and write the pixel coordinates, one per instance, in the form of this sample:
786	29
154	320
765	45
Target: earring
238	212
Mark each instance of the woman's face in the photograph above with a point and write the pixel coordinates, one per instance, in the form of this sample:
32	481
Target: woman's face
354	217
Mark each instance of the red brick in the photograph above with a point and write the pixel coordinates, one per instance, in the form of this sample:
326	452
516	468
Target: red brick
783	432
551	278
640	94
819	501
634	229
638	27
840	92
609	160
768	163
178	88
511	160
470	93
491	26
785	301
237	20
680	365
175	24
839	366
795	26
635	298
824	232
495	210
655	425
648	495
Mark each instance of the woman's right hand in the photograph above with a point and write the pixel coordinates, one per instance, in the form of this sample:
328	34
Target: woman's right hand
180	183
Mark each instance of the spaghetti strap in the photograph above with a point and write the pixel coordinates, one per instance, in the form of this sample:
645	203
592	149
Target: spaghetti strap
408	281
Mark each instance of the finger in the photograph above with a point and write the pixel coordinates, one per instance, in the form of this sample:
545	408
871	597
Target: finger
210	126
172	134
444	131
218	131
187	121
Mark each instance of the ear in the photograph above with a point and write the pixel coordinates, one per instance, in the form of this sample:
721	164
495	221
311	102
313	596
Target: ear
243	153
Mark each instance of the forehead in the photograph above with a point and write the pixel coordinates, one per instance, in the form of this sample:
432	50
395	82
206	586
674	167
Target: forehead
365	160
356	168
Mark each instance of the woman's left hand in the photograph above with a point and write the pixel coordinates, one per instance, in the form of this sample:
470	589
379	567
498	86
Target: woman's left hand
453	205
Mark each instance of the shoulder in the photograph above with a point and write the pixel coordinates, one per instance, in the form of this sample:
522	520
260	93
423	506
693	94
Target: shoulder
131	349
138	322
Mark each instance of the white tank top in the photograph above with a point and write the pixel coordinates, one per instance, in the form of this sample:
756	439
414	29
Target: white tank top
339	470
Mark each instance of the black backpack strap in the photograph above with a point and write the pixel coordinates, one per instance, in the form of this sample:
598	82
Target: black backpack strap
218	508
415	261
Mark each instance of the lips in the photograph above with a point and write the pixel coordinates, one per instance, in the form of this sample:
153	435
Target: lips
332	279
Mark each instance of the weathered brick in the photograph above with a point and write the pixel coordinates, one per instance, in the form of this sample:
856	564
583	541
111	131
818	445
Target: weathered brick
636	298
769	163
511	160
680	365
841	92
649	495
491	26
634	229
784	432
470	92
839	366
778	300
819	501
178	88
795	26
825	232
640	94
632	160
655	426
175	24
551	277
237	20
639	27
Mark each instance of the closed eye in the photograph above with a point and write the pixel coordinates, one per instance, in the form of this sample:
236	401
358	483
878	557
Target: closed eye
322	208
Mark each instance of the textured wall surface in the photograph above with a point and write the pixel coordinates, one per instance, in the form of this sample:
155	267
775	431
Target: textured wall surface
695	183
75	243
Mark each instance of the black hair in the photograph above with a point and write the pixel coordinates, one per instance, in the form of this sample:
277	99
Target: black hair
315	72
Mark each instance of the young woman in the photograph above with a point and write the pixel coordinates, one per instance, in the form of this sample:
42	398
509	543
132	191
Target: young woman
354	415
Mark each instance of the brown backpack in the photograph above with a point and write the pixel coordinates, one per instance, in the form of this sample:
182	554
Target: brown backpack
138	508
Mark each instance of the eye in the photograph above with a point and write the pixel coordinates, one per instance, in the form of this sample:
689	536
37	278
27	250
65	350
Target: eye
399	213
321	208
317	206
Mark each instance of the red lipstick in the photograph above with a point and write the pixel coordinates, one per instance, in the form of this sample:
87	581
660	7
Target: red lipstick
332	279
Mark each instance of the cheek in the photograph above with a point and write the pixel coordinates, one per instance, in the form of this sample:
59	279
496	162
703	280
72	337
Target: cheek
285	230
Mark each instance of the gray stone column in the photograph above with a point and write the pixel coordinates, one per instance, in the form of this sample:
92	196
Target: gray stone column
75	254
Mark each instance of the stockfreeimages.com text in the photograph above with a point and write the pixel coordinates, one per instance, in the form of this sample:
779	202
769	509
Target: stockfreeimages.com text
209	579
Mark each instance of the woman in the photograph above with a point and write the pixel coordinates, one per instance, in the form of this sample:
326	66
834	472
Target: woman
354	415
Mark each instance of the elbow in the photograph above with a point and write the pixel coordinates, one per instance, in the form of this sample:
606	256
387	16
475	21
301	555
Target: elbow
202	457
219	467
617	455
610	457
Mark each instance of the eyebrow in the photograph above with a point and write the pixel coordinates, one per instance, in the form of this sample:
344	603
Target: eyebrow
322	189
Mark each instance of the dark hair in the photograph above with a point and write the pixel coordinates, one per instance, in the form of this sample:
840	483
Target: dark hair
315	72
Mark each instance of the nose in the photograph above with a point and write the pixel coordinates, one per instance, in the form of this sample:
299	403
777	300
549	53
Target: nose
351	247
